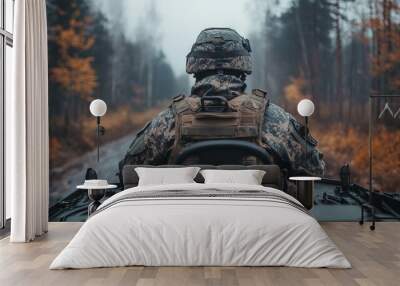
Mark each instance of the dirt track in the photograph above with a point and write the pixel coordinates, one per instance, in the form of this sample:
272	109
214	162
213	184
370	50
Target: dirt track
72	174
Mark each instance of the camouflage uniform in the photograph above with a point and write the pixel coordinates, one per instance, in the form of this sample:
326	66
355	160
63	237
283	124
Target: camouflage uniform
282	136
220	60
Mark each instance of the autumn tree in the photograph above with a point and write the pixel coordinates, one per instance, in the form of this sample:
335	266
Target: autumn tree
385	55
74	73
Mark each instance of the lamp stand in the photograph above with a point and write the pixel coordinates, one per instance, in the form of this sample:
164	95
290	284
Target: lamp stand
306	135
100	130
98	138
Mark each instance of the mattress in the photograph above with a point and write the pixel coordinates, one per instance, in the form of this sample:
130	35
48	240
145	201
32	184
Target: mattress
201	225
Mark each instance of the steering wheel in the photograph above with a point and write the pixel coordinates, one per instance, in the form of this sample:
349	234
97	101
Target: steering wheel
223	152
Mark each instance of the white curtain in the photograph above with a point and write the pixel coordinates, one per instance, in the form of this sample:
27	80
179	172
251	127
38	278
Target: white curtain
27	124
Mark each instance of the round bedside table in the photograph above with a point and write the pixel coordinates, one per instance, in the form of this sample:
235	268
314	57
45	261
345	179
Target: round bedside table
305	189
95	194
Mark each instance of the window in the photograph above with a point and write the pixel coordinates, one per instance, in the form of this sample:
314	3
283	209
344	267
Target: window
6	43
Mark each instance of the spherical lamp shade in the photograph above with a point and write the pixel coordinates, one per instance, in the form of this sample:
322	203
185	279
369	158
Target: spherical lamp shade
98	107
305	107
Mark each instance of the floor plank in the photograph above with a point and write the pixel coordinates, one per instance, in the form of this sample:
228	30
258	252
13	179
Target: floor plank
375	257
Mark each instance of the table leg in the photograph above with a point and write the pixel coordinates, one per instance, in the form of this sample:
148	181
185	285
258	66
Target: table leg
95	195
305	193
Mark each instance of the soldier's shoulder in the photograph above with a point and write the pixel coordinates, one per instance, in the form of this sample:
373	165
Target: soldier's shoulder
181	103
277	115
280	123
285	120
165	117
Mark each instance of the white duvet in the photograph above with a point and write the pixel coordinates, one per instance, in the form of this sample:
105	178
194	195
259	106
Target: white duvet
200	231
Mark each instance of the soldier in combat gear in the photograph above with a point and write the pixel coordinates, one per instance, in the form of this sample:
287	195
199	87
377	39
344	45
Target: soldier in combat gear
220	60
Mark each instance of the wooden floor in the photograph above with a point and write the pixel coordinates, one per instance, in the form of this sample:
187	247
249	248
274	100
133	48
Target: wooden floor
375	257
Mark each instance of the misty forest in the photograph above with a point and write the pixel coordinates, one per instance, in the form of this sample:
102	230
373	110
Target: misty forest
335	52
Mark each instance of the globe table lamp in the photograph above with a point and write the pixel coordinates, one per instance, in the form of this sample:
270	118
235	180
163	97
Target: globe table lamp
98	108
305	184
305	108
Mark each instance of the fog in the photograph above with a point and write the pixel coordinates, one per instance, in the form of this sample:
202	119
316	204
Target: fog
174	24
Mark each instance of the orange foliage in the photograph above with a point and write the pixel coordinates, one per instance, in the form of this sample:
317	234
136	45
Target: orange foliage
74	72
55	147
118	123
340	146
123	117
295	90
76	76
386	56
386	160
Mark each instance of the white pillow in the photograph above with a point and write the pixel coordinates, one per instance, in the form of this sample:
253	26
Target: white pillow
166	176
247	177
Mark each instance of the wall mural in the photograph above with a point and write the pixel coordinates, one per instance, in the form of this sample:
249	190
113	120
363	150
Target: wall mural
132	55
383	194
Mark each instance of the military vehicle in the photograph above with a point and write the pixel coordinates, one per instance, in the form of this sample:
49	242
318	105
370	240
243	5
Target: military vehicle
334	200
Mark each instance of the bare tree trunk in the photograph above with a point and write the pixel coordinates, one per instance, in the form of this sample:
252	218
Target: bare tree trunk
385	40
375	48
338	58
149	81
113	78
379	51
387	24
352	82
299	25
67	111
316	66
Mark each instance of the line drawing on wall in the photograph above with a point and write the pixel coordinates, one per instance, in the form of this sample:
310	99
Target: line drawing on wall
387	108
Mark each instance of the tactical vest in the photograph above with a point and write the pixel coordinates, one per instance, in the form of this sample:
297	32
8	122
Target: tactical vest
242	120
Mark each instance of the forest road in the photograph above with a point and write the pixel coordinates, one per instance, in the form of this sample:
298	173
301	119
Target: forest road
72	174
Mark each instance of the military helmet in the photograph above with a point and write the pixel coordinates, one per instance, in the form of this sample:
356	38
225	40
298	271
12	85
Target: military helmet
219	49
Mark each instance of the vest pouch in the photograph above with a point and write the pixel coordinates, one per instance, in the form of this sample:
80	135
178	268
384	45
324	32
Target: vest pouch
226	125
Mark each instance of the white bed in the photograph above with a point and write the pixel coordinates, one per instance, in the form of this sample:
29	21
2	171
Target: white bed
207	230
